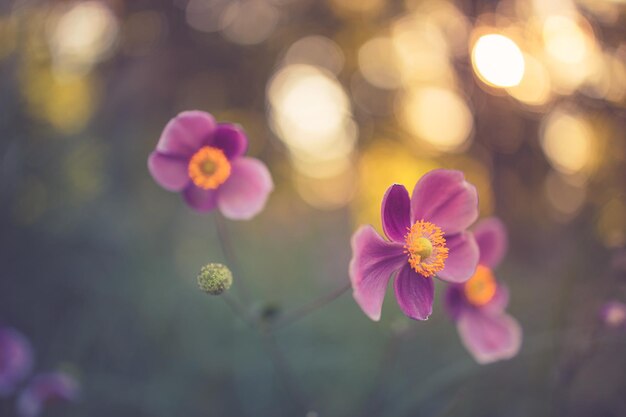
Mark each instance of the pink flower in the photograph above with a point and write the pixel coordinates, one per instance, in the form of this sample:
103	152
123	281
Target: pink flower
205	162
613	314
477	306
427	238
45	390
16	359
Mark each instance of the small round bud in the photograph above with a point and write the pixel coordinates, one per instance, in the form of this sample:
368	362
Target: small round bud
215	278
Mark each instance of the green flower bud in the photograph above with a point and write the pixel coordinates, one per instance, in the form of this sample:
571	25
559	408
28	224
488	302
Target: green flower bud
215	278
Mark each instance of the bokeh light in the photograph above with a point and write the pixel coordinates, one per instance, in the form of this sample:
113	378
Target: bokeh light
534	89
377	62
498	61
567	140
318	51
82	35
439	117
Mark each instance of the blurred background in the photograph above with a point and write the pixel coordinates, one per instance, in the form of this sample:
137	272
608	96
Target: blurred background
340	98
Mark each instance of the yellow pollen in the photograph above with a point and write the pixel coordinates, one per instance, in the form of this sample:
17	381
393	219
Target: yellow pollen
426	247
481	287
209	168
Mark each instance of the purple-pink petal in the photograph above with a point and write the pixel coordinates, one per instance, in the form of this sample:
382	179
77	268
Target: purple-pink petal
492	239
245	192
186	133
613	314
396	212
489	338
45	390
16	359
200	199
499	302
454	301
415	293
231	139
373	262
170	172
444	198
462	258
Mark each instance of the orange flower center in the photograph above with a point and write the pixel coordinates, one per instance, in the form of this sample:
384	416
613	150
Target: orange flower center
481	287
209	168
426	247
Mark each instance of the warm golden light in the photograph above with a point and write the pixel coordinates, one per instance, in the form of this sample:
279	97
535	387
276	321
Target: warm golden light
571	52
534	88
439	117
384	163
567	141
310	113
249	23
422	50
318	51
564	40
82	36
328	193
377	62
565	195
350	7
498	61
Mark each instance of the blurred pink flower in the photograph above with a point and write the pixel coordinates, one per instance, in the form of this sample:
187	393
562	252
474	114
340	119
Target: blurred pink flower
45	390
477	305
613	314
427	237
16	359
204	161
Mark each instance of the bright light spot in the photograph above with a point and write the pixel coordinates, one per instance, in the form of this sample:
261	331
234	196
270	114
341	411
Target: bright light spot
83	36
377	62
350	7
567	141
311	114
438	116
498	61
328	193
564	40
572	54
421	49
317	51
534	88
565	195
249	23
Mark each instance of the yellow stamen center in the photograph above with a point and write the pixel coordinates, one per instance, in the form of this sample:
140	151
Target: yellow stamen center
209	168
426	247
481	287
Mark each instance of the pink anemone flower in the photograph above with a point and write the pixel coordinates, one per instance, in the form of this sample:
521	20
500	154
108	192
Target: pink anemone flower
613	314
45	390
16	359
204	161
427	238
477	306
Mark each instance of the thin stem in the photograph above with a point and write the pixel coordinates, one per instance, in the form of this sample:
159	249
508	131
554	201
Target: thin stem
385	367
311	307
283	370
231	259
239	310
279	362
460	370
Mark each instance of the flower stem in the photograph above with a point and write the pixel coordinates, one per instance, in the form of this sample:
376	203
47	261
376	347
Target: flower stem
311	307
231	259
279	362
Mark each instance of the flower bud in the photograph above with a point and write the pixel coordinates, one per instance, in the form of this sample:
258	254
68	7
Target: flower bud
215	278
